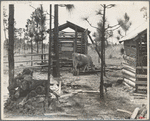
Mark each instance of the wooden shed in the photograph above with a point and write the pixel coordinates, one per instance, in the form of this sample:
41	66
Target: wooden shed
135	59
70	42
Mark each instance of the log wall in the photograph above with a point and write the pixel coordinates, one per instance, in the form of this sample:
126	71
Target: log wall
135	63
69	44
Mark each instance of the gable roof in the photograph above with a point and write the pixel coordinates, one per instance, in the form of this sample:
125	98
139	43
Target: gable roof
133	34
70	25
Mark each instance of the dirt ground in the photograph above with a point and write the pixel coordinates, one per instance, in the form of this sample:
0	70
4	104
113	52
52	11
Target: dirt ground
86	104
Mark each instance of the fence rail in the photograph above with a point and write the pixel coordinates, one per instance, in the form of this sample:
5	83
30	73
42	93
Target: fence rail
22	55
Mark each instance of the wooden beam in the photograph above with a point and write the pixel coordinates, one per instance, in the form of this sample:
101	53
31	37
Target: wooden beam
56	71
128	67
129	58
131	74
22	55
27	61
141	76
65	38
141	67
86	41
141	82
49	59
130	78
75	41
142	87
135	112
129	82
11	44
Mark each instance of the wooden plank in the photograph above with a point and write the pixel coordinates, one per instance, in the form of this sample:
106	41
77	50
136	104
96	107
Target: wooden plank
125	111
65	38
22	55
141	76
141	79
129	82
129	68
135	112
129	58
130	78
26	61
142	87
141	67
128	73
141	82
131	63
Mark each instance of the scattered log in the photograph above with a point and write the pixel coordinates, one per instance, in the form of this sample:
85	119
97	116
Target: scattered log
59	87
129	82
24	101
137	97
135	112
67	95
125	111
54	93
138	94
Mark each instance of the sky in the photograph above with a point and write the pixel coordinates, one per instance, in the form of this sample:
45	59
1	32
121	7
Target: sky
82	9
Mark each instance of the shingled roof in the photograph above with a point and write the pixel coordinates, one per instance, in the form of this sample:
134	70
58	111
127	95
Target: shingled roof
140	29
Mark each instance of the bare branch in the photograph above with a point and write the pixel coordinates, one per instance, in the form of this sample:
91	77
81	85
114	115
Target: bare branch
110	5
86	19
112	26
99	12
114	29
102	5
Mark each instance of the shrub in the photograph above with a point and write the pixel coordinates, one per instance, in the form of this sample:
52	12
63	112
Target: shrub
122	50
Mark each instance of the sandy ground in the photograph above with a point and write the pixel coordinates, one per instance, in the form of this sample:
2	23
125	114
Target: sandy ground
85	105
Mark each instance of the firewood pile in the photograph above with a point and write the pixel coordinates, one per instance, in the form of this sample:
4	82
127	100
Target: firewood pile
26	95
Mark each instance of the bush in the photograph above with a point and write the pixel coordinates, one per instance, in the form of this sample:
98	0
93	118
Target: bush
122	51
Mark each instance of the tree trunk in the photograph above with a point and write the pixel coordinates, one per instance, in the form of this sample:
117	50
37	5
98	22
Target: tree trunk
11	44
56	72
49	59
102	62
37	47
31	52
104	59
42	50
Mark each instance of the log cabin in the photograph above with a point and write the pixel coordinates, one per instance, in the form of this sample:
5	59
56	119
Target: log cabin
70	42
135	71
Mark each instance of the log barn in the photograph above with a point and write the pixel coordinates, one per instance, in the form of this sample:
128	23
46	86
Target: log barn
135	59
70	42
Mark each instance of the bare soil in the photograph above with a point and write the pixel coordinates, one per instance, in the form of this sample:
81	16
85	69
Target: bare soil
86	105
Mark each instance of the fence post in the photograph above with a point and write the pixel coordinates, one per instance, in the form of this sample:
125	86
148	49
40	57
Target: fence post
11	44
56	72
49	60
